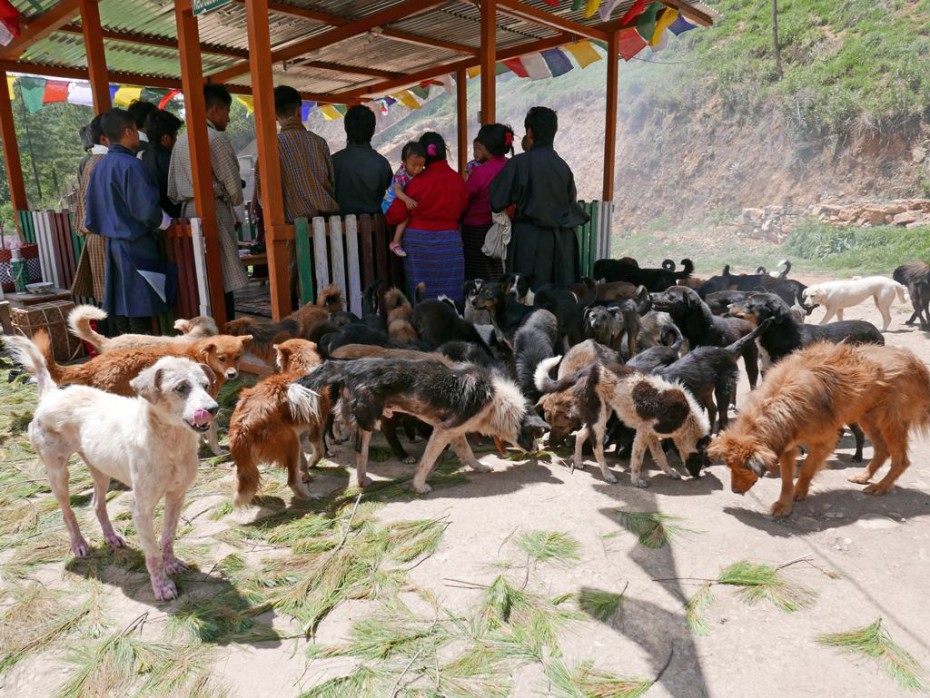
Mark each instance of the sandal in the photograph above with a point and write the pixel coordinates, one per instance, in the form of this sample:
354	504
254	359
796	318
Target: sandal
396	248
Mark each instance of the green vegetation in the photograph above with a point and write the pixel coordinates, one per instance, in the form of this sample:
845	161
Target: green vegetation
874	642
654	530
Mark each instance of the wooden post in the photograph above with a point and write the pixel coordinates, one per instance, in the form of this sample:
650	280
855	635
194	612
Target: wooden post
461	95
610	122
96	55
277	231
14	168
488	55
201	166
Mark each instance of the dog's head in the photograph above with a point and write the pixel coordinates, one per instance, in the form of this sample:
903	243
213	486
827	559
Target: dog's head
223	353
599	324
395	299
470	289
521	285
759	307
677	301
238	327
744	456
181	388
200	326
296	356
531	428
560	413
492	293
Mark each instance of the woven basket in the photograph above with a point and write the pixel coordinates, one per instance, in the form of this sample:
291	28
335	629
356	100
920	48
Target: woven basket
53	318
30	256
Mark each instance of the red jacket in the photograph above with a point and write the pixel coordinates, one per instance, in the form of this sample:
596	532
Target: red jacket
441	199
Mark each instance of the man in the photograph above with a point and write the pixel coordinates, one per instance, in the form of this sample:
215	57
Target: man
122	206
162	127
542	187
362	174
140	111
227	187
307	176
91	270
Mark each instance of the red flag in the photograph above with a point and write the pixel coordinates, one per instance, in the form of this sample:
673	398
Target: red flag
167	98
516	65
631	43
55	91
9	22
634	11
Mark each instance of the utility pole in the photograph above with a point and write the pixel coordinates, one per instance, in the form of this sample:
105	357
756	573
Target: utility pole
778	67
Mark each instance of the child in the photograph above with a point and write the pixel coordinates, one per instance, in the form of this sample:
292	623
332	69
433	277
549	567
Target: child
481	156
413	162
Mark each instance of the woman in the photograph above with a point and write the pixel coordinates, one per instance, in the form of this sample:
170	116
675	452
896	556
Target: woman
89	278
432	239
496	140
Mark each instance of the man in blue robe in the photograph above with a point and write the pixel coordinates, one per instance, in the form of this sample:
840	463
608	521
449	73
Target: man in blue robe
123	205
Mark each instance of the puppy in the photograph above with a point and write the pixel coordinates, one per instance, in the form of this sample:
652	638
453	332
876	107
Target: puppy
399	315
148	443
651	406
191	330
808	397
916	276
271	419
834	296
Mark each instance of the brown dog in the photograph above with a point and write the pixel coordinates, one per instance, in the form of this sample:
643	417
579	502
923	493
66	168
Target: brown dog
399	314
271	418
191	330
807	398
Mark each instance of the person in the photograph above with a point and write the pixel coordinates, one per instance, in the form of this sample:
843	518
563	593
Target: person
162	127
139	111
307	176
91	269
432	239
227	187
542	186
413	160
123	207
479	156
493	143
362	174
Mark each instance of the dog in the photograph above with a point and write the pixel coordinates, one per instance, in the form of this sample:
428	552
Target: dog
835	296
399	315
148	443
455	401
436	323
702	328
472	313
298	325
654	280
606	291
657	329
534	341
271	419
807	398
653	407
507	313
191	330
916	277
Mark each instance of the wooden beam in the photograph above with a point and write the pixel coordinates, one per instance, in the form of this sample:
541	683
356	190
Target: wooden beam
488	60
14	168
348	69
461	109
269	163
39	28
547	18
201	166
610	114
96	56
403	10
158	41
691	13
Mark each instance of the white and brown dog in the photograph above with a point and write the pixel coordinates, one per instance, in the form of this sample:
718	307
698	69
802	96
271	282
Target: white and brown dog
147	442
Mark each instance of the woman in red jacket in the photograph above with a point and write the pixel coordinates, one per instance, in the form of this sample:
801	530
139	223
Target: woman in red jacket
432	239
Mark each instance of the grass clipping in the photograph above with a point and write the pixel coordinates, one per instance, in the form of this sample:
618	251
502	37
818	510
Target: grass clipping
654	530
874	642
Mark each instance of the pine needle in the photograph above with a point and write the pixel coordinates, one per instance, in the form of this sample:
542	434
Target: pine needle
584	681
694	609
761	581
361	682
408	540
874	642
599	603
655	530
222	618
546	546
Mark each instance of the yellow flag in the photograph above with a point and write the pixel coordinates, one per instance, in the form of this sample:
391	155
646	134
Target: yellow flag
407	99
9	85
473	72
665	21
583	52
247	102
330	112
126	95
590	8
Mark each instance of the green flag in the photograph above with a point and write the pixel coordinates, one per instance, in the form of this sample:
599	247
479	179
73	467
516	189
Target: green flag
33	91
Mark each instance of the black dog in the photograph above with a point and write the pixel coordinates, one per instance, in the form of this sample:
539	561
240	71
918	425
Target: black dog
654	280
507	314
535	340
437	323
916	276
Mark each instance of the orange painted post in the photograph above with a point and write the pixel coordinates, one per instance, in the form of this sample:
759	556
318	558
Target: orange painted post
461	95
277	231
96	55
14	169
610	123
201	168
488	56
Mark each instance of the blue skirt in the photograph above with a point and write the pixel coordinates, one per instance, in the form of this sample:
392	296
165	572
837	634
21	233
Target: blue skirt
435	258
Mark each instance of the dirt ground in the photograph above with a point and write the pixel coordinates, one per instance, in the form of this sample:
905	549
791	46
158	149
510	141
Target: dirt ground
863	557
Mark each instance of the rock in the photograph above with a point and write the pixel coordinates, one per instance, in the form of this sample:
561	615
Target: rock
873	215
916	224
904	218
753	214
918	154
895	209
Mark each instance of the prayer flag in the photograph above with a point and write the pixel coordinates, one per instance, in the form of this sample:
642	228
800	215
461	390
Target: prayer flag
388	101
247	102
473	72
113	90
163	104
557	61
500	69
56	91
646	22
305	108
583	52
341	108
33	91
420	91
329	112
9	85
552	3
126	95
153	94
656	46
634	11
516	65
407	99
536	67
631	43
665	20
577	5
607	8
681	25
9	22
591	7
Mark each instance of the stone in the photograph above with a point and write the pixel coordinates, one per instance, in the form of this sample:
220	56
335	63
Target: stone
753	214
916	224
873	215
903	218
895	209
918	154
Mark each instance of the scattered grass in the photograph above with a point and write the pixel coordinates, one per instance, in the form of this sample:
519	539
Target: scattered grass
599	603
761	581
222	618
694	609
874	642
364	681
584	681
224	508
549	546
655	530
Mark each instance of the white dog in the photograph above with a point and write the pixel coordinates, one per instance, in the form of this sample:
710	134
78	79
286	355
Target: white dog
834	296
148	443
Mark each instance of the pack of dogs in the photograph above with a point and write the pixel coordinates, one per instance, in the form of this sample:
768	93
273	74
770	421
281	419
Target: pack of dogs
636	359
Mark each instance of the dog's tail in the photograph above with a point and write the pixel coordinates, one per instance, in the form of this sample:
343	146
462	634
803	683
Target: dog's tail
902	292
303	403
79	321
687	268
735	349
35	355
786	263
541	377
370	299
668	264
419	293
248	478
330	294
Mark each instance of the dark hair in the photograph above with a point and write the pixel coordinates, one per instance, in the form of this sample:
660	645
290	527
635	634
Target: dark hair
140	111
161	123
91	133
496	138
359	124
434	145
114	124
216	96
544	123
286	100
412	148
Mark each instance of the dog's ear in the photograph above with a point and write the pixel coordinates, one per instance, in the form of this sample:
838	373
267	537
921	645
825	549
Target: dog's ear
534	421
183	326
717	448
147	384
246	341
283	354
211	376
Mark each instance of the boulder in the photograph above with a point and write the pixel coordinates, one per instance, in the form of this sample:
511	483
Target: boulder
904	218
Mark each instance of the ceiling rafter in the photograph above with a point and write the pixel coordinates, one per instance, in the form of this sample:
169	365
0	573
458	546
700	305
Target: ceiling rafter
42	26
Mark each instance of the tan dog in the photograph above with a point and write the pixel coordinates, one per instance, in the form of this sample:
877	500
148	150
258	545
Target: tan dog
808	397
272	417
191	330
399	315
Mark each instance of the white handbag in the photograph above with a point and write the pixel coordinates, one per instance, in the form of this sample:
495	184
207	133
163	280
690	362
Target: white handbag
498	236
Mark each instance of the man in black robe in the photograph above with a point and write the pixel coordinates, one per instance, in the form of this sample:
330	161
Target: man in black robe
542	187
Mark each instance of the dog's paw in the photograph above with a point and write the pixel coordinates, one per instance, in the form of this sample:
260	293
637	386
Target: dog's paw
164	589
861	479
639	482
876	488
800	494
175	566
421	487
674	474
409	460
609	477
481	467
80	548
780	509
363	482
115	540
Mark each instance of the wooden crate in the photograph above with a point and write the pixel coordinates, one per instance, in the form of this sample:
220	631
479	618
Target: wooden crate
52	317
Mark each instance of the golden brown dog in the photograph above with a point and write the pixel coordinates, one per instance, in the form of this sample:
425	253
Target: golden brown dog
191	330
807	398
271	418
399	314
